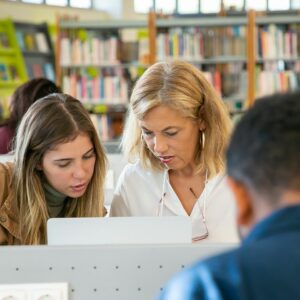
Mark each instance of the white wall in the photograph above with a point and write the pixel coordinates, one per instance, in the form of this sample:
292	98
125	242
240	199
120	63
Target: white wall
24	12
38	13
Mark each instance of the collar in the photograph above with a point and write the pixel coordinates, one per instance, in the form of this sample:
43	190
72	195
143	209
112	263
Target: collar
283	220
55	200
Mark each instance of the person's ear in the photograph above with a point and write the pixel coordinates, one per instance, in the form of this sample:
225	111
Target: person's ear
201	125
39	167
244	202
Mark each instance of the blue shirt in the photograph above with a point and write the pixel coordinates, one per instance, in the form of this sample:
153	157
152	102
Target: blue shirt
265	267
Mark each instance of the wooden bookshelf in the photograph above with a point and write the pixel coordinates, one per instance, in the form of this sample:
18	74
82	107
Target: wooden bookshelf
234	45
277	60
95	65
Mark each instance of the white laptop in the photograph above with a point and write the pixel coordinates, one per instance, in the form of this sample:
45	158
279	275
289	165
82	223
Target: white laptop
119	230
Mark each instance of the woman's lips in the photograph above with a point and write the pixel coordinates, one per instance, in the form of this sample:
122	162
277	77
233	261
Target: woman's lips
166	159
78	188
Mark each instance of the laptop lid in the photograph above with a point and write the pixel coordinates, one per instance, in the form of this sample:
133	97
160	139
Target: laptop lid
119	230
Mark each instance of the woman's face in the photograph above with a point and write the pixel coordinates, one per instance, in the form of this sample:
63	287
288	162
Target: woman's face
69	167
171	137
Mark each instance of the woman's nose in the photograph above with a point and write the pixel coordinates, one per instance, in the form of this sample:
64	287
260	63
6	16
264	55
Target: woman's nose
160	145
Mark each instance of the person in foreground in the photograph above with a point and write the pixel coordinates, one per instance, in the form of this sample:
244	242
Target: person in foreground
263	167
22	98
175	140
59	171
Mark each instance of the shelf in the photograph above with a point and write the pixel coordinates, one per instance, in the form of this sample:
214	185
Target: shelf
104	65
9	84
280	19
37	53
7	51
213	60
286	59
107	24
201	22
103	108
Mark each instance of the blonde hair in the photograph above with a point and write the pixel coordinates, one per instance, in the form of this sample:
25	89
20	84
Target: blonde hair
183	87
52	120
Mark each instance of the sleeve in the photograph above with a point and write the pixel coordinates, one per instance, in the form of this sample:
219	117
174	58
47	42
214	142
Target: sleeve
4	181
119	206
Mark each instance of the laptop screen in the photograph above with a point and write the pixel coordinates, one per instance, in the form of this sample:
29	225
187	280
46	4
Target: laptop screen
119	230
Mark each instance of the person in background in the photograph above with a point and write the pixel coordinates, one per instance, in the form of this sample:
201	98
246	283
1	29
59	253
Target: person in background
175	140
22	98
59	171
263	164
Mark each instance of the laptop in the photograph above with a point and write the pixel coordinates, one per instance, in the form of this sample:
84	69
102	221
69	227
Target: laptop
119	230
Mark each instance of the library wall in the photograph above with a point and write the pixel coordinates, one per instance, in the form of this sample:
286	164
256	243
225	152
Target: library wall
22	12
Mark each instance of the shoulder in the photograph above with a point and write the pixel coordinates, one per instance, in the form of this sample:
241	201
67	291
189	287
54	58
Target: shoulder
209	277
218	187
134	173
6	175
6	170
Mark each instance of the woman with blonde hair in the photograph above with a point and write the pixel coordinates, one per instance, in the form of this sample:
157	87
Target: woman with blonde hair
175	140
59	171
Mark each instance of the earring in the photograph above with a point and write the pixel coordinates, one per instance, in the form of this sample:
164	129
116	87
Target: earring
202	139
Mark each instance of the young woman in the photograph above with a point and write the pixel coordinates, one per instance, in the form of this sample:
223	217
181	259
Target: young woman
23	97
175	138
59	171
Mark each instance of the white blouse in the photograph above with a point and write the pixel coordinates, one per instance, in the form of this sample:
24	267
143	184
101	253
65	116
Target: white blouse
139	192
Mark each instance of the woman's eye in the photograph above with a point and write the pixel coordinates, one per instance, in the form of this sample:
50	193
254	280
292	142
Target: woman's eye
89	156
147	133
63	165
171	133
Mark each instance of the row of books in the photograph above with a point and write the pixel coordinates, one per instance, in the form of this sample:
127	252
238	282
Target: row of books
91	51
32	41
229	80
269	82
109	126
97	89
8	72
278	41
194	43
36	70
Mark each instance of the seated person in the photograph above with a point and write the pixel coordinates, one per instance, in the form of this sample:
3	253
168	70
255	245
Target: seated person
175	137
263	167
59	171
22	98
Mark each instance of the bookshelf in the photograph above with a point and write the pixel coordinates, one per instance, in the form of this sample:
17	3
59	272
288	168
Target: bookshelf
277	53
12	67
227	48
98	65
216	45
37	50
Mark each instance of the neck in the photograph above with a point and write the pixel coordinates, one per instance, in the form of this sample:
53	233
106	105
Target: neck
187	172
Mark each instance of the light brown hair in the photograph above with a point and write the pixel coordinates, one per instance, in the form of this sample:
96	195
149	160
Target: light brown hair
54	119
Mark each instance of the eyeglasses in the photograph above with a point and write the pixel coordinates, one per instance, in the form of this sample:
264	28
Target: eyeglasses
199	226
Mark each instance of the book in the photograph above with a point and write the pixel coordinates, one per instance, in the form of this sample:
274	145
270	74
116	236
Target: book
20	39
4	76
13	72
41	42
4	42
49	71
